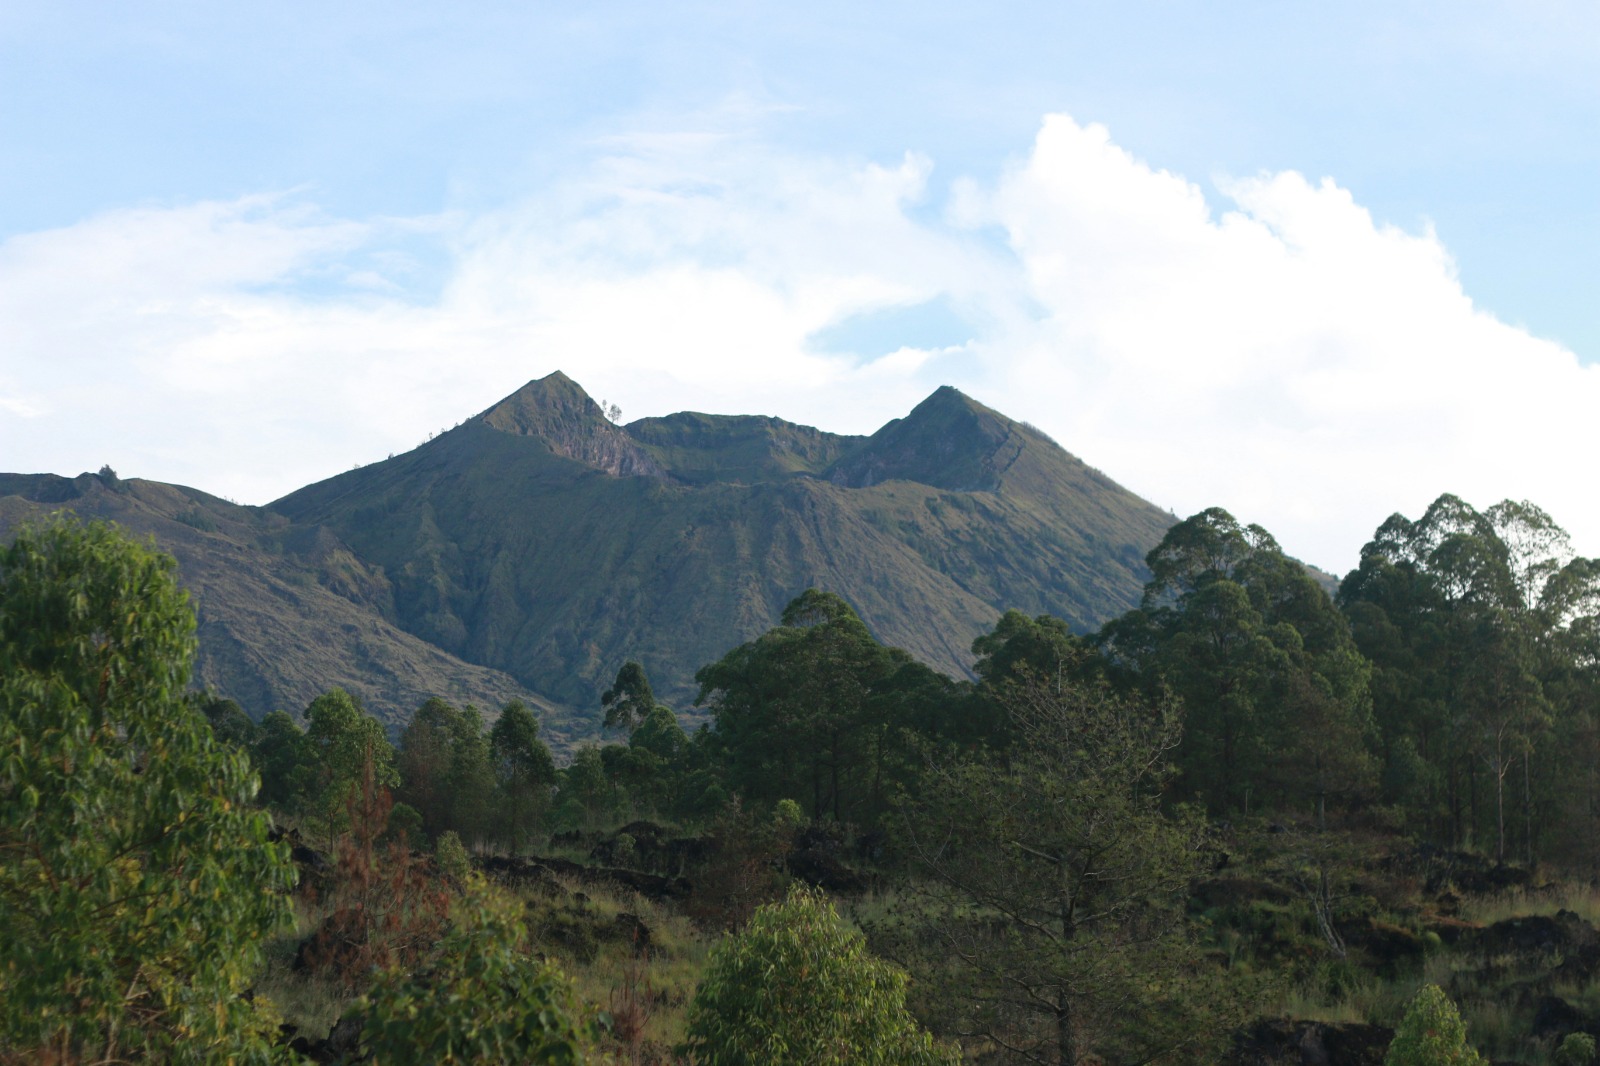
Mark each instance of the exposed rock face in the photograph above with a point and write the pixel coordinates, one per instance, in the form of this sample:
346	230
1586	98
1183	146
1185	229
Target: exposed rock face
559	413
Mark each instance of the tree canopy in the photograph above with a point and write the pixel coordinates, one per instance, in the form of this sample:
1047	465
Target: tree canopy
1054	882
137	882
797	987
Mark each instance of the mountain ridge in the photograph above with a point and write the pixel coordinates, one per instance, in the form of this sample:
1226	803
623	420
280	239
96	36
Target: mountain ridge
544	544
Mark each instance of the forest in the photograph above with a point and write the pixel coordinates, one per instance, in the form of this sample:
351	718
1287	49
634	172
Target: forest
1256	819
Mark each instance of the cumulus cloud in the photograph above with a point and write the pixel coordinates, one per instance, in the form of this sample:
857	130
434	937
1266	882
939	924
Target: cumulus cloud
1287	358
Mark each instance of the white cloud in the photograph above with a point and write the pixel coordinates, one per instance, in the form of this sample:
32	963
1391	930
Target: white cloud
1288	359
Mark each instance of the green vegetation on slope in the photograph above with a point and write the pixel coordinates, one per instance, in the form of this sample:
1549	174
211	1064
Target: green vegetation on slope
1071	865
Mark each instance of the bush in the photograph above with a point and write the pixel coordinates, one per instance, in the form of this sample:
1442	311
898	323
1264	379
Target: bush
485	999
1431	1034
1576	1050
797	986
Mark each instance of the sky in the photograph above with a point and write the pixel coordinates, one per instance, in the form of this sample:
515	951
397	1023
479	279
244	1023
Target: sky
1315	264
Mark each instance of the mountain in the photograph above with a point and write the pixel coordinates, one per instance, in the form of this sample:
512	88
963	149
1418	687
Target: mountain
540	539
284	614
537	546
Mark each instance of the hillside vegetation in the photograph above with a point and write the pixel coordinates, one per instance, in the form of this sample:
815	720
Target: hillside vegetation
1241	822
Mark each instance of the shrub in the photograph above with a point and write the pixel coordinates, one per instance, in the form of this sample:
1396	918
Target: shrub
485	999
1431	1034
1576	1050
451	856
797	986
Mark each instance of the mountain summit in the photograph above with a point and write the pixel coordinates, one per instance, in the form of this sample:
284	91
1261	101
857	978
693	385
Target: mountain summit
949	441
557	412
541	545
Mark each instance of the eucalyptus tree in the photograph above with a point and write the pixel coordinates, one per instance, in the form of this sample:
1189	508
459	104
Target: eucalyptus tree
343	744
445	769
798	987
137	882
1274	688
630	699
1470	617
818	711
524	771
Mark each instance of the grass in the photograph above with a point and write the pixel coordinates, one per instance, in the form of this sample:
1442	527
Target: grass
311	1004
647	997
1582	899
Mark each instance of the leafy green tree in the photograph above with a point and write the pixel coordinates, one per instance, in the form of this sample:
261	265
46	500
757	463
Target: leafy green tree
1054	885
1577	1049
472	779
657	769
229	723
136	881
423	762
1473	619
284	760
1042	647
660	735
630	699
523	770
1274	688
451	855
447	771
1431	1034
345	744
817	708
484	999
798	986
585	796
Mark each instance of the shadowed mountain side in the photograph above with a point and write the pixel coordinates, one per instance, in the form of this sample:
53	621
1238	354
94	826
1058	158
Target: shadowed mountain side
740	449
284	614
523	549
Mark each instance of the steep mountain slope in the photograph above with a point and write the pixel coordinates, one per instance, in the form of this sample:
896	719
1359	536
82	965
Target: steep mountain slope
284	613
541	540
534	548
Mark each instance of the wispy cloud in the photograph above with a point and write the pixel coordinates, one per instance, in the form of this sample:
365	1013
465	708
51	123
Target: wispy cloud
1286	358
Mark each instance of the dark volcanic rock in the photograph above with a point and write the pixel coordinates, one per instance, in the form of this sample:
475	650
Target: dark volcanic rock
342	1044
1554	1018
1281	1042
1565	933
1390	946
1233	891
630	928
543	872
825	871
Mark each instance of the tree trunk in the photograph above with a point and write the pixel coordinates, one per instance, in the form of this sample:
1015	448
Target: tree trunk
1066	1039
1527	805
834	747
1499	802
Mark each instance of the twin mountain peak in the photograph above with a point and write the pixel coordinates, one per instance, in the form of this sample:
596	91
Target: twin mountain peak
948	441
534	548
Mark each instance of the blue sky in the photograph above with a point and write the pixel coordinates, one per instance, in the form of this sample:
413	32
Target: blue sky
818	211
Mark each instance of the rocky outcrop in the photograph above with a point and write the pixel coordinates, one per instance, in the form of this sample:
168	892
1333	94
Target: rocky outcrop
556	411
1282	1042
543	873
